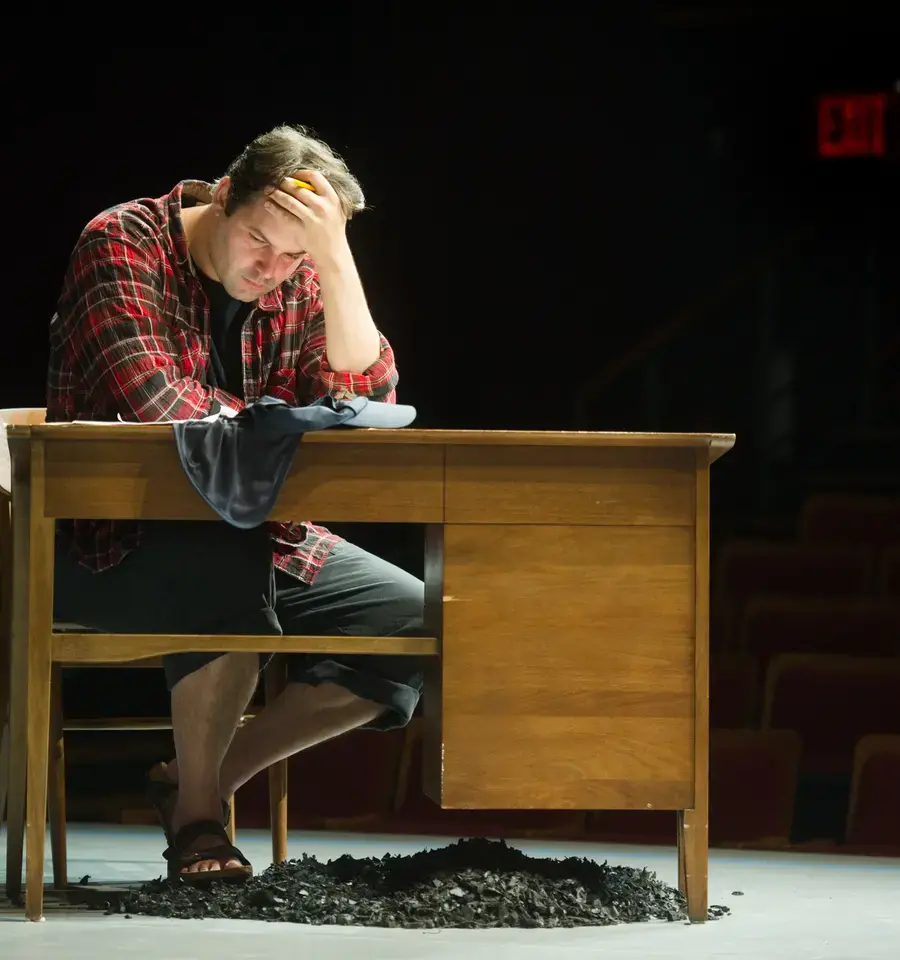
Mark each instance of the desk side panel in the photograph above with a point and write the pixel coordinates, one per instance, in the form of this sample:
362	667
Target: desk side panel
118	480
568	667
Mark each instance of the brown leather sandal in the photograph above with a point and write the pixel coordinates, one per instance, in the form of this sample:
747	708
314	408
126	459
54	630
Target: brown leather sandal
179	858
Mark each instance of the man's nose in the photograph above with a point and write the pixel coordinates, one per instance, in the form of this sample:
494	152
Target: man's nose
266	264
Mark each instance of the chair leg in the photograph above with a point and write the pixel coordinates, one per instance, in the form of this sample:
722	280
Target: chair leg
15	819
57	782
4	770
5	649
38	742
275	682
231	829
15	798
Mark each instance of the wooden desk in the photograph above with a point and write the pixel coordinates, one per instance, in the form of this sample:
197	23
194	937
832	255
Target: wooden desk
566	592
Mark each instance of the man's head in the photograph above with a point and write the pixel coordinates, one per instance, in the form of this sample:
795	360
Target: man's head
252	250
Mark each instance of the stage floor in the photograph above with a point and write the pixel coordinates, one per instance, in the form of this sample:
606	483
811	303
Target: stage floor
796	906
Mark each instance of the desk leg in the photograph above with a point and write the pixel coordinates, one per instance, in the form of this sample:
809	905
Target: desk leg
693	859
693	825
275	680
33	545
5	646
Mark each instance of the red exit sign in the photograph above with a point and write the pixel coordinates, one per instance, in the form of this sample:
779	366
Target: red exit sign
852	125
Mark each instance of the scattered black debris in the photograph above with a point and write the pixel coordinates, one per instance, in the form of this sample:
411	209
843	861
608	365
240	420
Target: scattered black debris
471	884
716	912
737	893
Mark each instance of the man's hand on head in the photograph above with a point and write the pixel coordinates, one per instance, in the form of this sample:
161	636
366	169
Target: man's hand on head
319	210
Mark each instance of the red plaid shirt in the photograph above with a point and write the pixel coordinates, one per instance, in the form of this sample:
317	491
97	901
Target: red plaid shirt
131	337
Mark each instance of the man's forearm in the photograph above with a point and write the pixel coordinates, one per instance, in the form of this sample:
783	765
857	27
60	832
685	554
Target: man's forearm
352	343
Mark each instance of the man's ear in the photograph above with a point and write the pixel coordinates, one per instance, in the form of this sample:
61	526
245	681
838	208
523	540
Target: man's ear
220	194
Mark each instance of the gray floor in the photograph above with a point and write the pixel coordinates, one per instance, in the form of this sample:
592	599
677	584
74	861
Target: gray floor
794	905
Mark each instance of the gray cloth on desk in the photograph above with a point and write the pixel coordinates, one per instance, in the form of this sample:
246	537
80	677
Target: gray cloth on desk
239	464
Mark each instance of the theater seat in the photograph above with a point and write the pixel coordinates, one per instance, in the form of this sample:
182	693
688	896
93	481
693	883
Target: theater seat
832	701
873	821
733	686
752	786
853	627
749	568
645	827
889	574
863	520
342	784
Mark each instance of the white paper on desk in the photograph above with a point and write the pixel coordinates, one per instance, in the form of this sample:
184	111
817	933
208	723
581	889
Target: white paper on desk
225	412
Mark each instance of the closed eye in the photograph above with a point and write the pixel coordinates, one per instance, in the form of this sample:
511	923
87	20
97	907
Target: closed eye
285	256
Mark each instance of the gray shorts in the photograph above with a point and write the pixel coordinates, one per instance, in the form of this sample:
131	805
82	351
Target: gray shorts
209	578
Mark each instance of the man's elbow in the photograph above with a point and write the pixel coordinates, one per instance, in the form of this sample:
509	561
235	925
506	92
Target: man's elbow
357	363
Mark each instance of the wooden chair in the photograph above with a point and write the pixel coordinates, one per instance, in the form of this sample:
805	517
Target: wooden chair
13	754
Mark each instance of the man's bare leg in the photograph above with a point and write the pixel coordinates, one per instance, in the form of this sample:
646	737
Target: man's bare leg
298	719
207	706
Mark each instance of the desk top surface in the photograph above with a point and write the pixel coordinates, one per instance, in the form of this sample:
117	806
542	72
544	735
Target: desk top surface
717	443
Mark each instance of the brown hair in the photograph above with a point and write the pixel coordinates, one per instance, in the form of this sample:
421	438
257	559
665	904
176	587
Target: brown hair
278	154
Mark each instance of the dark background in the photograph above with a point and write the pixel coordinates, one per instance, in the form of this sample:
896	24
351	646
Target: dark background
547	190
614	222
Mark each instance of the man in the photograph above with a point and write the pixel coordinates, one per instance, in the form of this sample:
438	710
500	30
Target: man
174	308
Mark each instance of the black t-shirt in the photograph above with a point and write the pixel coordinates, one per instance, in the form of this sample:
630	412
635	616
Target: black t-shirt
226	318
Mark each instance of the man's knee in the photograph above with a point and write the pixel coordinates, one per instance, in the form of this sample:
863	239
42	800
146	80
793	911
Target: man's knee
407	608
396	607
178	666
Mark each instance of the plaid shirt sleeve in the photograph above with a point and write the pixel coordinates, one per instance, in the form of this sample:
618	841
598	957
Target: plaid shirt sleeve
128	347
379	382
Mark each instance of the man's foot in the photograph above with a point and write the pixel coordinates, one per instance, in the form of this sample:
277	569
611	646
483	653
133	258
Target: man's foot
202	853
202	842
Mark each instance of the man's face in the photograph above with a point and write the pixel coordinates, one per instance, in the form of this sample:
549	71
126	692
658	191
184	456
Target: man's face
254	251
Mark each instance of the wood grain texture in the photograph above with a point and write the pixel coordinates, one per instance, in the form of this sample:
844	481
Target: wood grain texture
73	648
715	444
570	485
433	691
56	787
274	683
18	680
566	603
105	479
693	821
33	543
567	667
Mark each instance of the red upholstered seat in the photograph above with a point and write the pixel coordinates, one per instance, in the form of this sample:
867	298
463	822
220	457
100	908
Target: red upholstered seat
873	819
832	702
